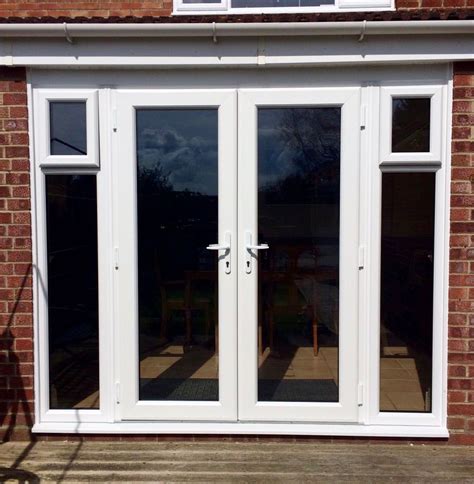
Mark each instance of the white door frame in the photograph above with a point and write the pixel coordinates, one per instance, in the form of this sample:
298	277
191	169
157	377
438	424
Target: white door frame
130	408
371	78
249	407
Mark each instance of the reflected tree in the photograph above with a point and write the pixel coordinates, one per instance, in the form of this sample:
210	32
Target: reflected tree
307	141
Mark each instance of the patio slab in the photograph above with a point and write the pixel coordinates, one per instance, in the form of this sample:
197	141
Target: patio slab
233	461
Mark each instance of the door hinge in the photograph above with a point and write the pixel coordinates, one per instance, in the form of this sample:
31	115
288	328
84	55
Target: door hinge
363	116
116	258
361	262
117	392
360	395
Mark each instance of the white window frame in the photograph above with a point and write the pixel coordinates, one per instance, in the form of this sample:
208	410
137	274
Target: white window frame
371	422
433	156
43	100
436	161
41	167
225	6
220	7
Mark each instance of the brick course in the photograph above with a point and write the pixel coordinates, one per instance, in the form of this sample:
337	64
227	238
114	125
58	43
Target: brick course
84	8
430	4
461	266
16	306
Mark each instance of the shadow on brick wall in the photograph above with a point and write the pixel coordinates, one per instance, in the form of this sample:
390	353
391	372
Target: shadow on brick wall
15	408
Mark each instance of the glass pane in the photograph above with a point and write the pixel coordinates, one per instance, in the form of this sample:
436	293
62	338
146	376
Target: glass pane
411	125
201	1
298	216
406	312
279	3
177	276
68	128
71	211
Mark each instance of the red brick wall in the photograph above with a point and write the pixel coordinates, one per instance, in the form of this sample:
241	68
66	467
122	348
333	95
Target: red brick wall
141	8
461	292
438	4
16	318
84	8
16	333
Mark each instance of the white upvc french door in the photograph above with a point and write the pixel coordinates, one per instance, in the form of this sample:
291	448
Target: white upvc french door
298	289
237	288
175	156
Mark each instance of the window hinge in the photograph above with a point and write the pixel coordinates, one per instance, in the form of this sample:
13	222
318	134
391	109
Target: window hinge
360	395
116	258
363	116
361	256
117	392
114	120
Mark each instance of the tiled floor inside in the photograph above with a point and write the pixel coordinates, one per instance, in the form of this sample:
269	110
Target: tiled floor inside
401	386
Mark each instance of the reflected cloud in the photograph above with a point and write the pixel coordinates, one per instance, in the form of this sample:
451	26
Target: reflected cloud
184	144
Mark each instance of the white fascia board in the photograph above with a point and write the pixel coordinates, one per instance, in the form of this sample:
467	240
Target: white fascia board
243	428
277	51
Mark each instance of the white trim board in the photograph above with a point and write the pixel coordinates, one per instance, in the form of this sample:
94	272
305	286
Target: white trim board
257	51
240	428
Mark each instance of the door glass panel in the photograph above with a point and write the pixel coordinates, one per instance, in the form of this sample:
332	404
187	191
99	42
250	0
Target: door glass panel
177	214
406	299
298	216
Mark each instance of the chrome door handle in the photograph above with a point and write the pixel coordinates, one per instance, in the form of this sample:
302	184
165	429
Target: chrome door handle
226	246
218	247
248	254
258	247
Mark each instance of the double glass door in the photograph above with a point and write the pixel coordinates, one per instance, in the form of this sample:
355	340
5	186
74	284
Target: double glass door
238	248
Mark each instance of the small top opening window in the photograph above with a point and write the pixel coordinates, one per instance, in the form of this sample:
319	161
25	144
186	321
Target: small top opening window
69	137
411	125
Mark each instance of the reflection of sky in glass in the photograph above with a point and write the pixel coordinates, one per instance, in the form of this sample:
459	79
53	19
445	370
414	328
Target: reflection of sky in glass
294	141
182	143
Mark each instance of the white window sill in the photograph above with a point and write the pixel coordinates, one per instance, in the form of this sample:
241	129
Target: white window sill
244	428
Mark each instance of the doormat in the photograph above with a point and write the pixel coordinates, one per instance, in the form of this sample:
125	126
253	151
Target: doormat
297	391
206	389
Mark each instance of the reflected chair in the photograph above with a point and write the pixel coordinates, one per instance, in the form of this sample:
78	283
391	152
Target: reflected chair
179	296
287	266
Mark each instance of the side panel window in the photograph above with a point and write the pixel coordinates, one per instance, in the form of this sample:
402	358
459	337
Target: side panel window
73	322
